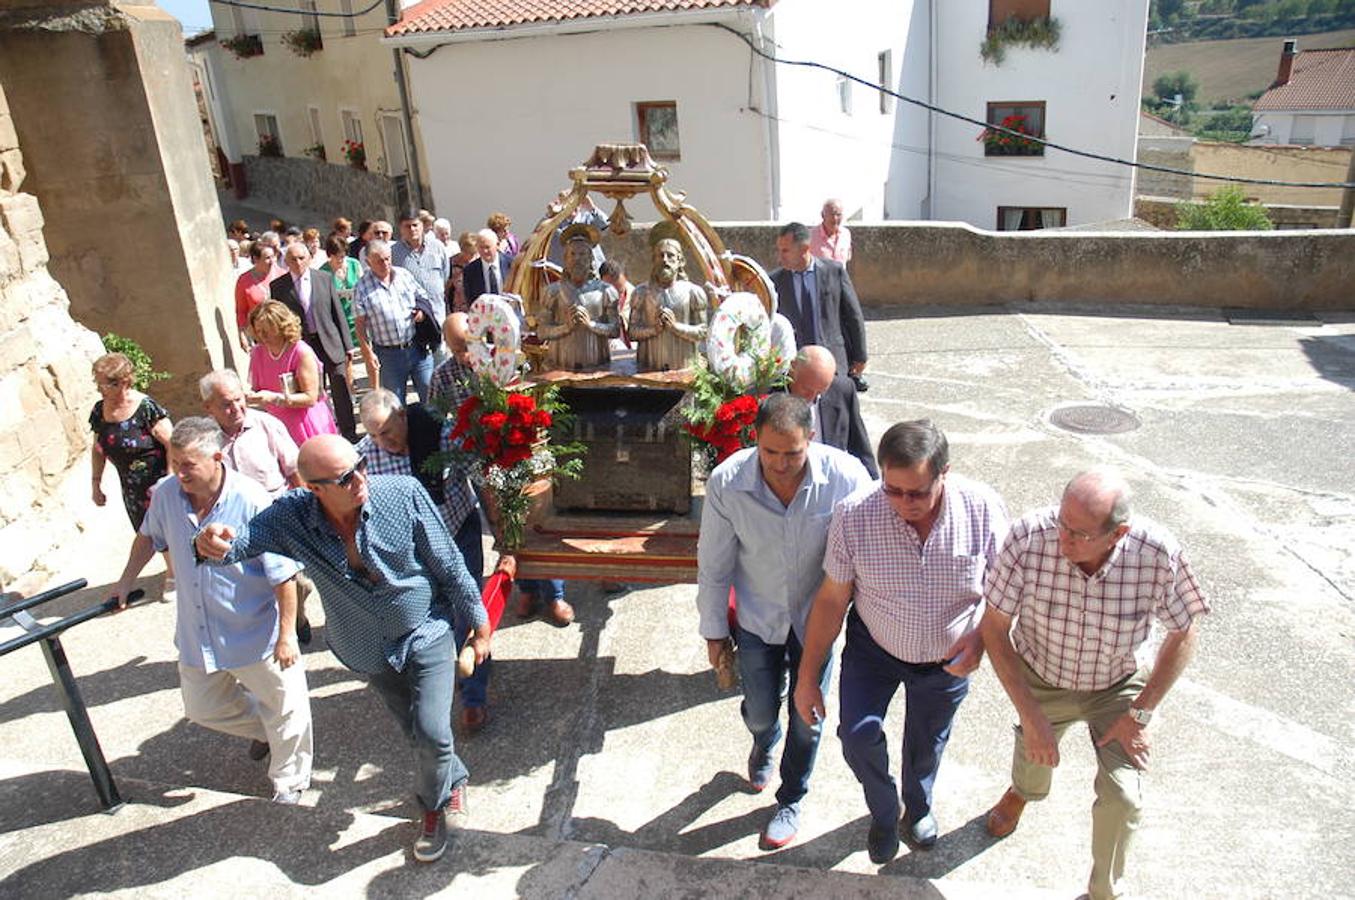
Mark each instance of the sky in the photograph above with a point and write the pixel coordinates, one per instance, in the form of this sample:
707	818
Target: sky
192	14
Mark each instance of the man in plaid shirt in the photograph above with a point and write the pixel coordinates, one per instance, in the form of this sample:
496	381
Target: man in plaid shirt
910	557
1082	584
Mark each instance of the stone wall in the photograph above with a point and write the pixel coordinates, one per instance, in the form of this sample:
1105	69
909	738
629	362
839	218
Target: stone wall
1171	153
953	264
46	391
103	103
326	188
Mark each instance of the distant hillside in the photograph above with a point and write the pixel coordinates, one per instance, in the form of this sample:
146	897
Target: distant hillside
1229	71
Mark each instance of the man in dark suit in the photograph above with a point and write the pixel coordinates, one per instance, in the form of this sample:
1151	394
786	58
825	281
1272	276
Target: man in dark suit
833	403
487	274
817	297
309	293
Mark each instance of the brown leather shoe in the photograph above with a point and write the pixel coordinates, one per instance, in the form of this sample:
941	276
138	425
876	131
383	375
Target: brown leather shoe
1003	818
560	612
473	718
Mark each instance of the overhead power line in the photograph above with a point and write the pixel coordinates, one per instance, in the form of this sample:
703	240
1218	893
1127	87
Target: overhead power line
300	12
1086	154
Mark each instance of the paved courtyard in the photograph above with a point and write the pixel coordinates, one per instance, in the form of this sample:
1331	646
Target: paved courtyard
612	764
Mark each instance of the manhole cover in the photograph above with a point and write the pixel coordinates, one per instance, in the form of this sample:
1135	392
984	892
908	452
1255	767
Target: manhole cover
1091	418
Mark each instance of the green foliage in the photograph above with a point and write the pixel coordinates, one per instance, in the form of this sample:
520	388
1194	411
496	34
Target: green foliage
1167	85
1231	124
1219	20
143	372
1037	33
1226	209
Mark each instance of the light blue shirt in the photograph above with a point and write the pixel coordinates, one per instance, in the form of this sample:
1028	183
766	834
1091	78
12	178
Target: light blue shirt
227	615
772	555
430	267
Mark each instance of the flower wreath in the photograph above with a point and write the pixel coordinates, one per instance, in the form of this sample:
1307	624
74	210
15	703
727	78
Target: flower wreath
491	316
734	357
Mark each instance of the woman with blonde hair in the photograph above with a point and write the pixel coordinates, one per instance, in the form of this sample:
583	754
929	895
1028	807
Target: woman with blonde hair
499	223
131	430
285	374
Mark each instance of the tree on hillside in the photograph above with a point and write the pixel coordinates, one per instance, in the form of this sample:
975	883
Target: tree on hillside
1167	85
1226	209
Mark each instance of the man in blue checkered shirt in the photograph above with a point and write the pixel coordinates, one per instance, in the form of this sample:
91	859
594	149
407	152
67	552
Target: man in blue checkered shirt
385	310
392	583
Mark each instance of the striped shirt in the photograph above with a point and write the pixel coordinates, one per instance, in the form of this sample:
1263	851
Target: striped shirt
917	598
1078	631
388	308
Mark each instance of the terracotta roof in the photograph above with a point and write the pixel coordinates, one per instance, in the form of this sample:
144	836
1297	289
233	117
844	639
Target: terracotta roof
463	15
1321	79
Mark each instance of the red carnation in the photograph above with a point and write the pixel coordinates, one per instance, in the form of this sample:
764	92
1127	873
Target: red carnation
493	421
541	418
519	437
521	403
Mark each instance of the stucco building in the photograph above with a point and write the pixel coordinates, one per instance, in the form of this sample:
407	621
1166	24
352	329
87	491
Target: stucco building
1312	100
305	106
753	139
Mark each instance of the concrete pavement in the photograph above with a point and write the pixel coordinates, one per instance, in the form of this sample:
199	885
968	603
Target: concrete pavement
612	764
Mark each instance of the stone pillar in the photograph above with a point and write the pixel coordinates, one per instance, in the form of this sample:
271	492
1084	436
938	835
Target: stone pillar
102	100
46	390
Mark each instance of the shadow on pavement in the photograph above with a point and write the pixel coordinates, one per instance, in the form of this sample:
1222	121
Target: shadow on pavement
297	840
1332	357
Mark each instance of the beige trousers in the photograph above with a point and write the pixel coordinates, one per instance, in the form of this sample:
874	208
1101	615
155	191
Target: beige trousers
262	702
1118	785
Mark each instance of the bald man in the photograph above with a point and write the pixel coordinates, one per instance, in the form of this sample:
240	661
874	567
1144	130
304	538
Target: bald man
392	582
1071	602
833	402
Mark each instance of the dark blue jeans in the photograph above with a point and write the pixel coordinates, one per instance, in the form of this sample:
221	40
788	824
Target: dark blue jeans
420	698
768	672
400	365
544	589
475	689
870	678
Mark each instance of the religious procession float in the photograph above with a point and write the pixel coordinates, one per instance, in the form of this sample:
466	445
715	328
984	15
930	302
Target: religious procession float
584	455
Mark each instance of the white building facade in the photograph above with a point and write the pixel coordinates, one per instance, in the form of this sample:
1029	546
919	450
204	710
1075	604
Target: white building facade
266	99
759	140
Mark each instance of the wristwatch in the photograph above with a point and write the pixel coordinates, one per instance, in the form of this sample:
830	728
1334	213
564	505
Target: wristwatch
1140	715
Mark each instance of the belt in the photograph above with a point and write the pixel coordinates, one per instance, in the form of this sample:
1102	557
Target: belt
405	346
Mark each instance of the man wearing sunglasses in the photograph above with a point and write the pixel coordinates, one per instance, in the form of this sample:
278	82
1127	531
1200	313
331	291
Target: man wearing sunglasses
392	582
910	558
1082	583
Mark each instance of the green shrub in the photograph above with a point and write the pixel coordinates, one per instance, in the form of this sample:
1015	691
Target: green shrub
143	373
1226	209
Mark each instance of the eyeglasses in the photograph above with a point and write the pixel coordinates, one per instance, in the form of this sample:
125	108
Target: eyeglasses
901	494
344	480
1081	536
111	382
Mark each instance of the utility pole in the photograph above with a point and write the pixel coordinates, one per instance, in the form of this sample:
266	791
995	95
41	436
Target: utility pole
411	144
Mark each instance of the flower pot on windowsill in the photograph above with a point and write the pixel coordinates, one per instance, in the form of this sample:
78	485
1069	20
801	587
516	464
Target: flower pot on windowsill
243	46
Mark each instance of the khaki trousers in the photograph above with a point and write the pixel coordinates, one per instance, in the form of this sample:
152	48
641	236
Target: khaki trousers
262	702
1118	784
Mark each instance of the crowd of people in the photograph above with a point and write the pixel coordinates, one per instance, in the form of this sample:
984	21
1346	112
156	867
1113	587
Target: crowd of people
273	495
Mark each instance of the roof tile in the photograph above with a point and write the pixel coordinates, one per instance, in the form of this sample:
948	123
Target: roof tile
462	15
1321	79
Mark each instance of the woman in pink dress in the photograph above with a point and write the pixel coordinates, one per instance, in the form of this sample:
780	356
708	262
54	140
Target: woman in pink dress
285	374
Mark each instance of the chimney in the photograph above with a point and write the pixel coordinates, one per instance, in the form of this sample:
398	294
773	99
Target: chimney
1291	49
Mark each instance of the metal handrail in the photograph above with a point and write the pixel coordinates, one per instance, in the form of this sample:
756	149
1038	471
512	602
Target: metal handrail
55	628
69	587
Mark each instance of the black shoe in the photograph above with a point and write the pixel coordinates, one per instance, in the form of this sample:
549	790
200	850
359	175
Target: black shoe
303	631
258	750
922	833
862	385
882	843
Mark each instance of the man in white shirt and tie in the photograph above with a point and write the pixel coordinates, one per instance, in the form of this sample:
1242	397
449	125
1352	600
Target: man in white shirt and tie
488	274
